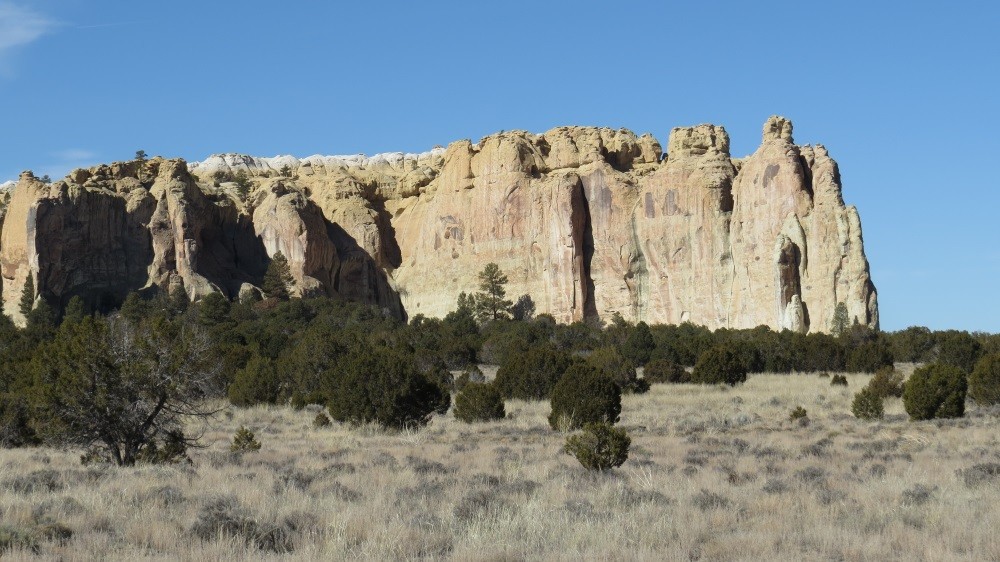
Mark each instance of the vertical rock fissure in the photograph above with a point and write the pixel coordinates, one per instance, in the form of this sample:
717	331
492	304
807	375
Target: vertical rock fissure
589	300
637	278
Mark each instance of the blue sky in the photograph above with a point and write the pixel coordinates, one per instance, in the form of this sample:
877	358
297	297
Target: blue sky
904	95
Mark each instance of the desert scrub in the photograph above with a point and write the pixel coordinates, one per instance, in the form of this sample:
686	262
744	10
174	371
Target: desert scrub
935	391
798	413
383	386
256	383
244	441
471	374
869	357
173	449
665	371
620	369
226	517
584	395
720	365
600	446
533	374
867	405
984	382
479	402
886	383
321	420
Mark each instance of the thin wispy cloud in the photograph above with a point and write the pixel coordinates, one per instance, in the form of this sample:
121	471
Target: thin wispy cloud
61	162
20	26
115	24
75	155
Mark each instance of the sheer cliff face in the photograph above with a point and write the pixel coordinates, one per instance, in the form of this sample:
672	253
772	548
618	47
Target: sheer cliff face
587	221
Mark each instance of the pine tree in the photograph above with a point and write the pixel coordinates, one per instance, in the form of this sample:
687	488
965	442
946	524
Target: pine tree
840	321
243	184
140	157
639	345
75	311
278	278
491	301
28	296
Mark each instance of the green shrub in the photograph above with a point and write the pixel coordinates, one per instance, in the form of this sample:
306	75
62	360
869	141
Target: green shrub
444	380
171	449
584	395
15	422
886	383
321	420
935	391
838	380
798	413
479	402
720	365
869	357
255	383
984	382
244	441
958	349
600	446
621	370
380	385
472	374
533	374
665	371
867	405
913	345
639	345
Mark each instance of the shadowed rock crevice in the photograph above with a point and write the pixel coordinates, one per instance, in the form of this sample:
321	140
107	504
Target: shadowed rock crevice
357	277
390	254
589	303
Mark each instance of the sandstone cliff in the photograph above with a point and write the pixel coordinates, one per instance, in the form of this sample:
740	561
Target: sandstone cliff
588	221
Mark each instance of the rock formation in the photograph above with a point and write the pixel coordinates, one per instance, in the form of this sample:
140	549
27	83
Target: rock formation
587	221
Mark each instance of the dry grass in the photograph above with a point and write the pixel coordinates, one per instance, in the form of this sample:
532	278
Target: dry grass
714	474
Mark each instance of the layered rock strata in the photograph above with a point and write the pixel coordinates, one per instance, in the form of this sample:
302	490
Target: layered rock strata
587	221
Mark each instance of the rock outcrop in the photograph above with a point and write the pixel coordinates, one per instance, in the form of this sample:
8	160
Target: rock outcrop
587	221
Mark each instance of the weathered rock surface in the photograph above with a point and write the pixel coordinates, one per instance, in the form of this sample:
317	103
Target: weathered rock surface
587	221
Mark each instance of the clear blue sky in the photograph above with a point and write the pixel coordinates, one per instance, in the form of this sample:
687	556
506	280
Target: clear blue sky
904	95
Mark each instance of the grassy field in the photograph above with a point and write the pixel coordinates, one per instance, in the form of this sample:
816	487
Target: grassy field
714	474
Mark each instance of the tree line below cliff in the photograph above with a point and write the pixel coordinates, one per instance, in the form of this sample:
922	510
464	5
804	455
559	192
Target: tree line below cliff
121	386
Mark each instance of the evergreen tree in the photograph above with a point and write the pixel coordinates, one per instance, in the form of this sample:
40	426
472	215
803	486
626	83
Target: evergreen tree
178	301
75	310
213	309
841	321
134	308
278	278
28	296
639	345
466	304
524	308
41	321
123	388
243	184
140	157
491	301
